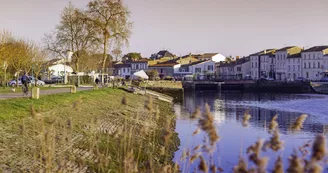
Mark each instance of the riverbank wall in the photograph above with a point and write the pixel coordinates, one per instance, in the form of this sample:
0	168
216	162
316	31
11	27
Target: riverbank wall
175	93
266	86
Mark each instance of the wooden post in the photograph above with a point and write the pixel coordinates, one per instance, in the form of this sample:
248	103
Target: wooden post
73	89
35	93
95	87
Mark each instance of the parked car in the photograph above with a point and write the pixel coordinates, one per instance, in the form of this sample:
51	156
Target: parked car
269	78
32	81
301	79
12	83
248	77
324	79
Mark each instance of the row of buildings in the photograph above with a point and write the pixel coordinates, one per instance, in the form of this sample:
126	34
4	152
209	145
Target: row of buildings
288	63
167	64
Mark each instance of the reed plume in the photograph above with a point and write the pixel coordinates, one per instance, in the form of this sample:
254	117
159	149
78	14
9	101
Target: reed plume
149	104
274	143
196	131
273	124
319	148
202	165
124	100
246	118
241	167
194	157
295	164
278	166
298	125
196	114
206	123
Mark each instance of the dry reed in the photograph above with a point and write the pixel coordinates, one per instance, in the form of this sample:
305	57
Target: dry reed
273	124
298	125
206	123
246	118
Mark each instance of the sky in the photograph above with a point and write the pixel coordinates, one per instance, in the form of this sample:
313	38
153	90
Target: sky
229	27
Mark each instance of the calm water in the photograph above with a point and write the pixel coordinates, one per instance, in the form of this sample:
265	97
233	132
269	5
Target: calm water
228	110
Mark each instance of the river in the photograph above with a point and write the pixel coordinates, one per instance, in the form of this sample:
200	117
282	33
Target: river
228	109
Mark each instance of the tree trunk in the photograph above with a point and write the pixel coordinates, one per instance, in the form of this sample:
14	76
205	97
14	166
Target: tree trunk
77	71
104	59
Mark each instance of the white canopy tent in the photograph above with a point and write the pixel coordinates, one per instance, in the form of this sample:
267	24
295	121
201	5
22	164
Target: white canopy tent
141	74
59	69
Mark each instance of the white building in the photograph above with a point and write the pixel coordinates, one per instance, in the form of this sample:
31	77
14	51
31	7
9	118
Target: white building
281	60
294	66
242	68
202	67
216	57
315	62
141	64
266	58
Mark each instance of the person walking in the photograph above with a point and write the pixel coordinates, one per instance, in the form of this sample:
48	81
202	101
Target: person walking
97	81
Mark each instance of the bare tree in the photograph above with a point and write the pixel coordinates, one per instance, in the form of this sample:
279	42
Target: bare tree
5	37
39	62
74	33
110	17
116	53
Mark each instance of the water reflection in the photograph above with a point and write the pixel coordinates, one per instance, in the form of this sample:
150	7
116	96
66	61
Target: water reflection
228	109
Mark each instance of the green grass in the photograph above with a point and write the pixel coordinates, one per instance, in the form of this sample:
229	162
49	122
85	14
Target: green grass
95	115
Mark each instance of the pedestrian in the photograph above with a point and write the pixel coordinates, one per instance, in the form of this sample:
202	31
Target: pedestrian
97	81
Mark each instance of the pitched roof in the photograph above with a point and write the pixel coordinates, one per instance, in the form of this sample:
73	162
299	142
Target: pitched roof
296	55
164	65
194	63
165	53
242	60
285	48
316	48
206	55
262	52
142	60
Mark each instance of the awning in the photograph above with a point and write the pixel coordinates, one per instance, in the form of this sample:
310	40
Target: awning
141	74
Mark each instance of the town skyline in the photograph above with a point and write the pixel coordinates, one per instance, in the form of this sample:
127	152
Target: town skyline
220	28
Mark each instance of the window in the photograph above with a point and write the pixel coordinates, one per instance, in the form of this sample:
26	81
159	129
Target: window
304	64
123	70
309	65
298	68
162	71
319	64
307	74
128	70
293	67
288	67
313	65
198	70
210	68
252	64
238	68
137	66
298	60
255	64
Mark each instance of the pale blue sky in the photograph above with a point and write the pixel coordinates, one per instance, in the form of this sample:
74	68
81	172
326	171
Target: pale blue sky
231	27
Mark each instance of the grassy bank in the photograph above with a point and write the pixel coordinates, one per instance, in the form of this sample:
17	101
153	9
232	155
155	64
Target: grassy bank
91	131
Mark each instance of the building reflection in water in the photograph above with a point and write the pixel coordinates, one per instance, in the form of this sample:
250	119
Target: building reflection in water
225	107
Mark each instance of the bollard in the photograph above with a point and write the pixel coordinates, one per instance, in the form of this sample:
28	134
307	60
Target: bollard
35	93
73	89
95	87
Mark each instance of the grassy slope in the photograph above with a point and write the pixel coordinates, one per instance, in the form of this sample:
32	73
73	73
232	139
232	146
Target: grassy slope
108	131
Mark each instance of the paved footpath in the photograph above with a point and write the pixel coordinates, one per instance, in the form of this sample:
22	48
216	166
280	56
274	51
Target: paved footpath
42	92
